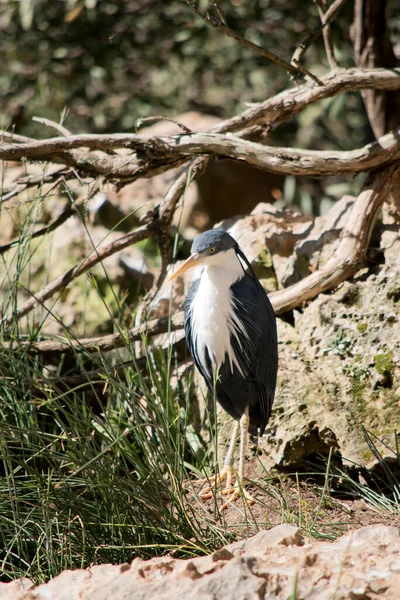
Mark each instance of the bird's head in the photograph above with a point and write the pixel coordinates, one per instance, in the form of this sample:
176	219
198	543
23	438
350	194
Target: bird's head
209	249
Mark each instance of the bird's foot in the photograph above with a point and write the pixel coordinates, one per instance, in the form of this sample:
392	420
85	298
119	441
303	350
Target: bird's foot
238	492
233	491
215	481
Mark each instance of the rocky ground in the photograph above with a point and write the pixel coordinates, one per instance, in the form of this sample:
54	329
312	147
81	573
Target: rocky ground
279	563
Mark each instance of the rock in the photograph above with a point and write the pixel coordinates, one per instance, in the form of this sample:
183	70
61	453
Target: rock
339	369
320	243
279	564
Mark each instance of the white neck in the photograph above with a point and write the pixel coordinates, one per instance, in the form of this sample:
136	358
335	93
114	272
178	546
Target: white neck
213	309
223	269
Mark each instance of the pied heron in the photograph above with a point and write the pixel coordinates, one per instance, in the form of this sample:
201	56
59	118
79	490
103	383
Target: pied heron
230	329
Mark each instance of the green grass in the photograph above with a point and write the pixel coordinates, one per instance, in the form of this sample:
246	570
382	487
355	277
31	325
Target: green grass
86	480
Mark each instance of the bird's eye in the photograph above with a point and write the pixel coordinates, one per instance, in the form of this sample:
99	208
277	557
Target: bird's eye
211	250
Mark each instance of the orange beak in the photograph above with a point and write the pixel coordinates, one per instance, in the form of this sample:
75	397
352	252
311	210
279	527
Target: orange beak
193	261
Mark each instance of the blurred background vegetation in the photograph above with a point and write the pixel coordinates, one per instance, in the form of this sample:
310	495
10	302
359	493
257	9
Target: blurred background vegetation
111	62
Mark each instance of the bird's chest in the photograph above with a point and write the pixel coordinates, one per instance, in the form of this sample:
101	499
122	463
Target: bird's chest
212	316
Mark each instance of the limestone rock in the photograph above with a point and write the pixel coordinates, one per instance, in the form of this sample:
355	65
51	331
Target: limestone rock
339	370
279	563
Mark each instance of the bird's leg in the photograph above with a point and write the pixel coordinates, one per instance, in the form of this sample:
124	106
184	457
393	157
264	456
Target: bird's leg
227	471
239	489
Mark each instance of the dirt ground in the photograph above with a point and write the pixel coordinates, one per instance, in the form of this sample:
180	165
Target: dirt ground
320	512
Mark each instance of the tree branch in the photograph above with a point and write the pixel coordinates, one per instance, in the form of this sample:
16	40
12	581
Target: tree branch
104	343
326	33
351	251
325	19
289	103
164	152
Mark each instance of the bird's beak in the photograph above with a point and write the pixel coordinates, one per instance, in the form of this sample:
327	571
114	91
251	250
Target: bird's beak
192	261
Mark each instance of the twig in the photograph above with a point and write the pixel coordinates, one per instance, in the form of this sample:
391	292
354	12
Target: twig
326	33
139	122
325	19
49	123
10	136
218	23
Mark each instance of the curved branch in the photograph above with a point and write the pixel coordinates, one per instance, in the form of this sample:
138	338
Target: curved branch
287	161
106	342
164	152
289	103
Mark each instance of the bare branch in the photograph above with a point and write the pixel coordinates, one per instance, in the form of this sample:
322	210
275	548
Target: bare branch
163	152
49	123
156	118
106	342
325	19
10	136
289	161
326	33
289	103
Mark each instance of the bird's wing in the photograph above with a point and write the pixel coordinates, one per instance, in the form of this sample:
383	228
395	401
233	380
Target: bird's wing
255	311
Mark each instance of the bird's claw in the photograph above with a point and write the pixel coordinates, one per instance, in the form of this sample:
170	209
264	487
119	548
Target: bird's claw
217	480
238	492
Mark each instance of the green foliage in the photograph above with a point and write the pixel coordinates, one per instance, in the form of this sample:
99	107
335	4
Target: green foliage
92	476
111	62
384	363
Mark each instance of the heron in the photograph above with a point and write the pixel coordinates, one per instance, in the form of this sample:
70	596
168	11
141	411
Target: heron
230	330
